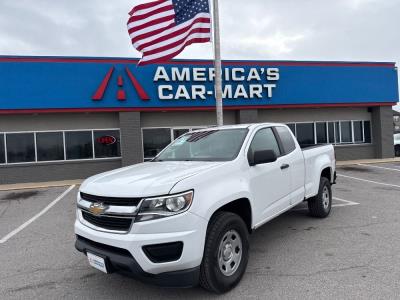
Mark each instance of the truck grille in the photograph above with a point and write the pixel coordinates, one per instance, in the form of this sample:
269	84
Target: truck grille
106	222
111	200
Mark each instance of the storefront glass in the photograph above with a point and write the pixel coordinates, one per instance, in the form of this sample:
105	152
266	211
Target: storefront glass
179	132
2	152
50	146
107	143
154	140
358	131
331	133
345	132
305	134
20	147
79	145
321	133
367	131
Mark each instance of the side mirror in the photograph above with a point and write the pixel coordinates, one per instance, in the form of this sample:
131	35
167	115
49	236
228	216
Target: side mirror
262	157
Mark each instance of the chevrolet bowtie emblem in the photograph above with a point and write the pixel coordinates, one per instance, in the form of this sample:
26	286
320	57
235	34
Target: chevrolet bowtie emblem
97	208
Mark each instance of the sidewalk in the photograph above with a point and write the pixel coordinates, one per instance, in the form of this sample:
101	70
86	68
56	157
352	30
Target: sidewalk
367	161
39	185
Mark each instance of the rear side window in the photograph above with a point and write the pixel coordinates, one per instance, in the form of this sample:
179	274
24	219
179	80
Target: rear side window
265	140
286	139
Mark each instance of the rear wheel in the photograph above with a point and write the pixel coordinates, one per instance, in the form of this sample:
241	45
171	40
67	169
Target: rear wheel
226	253
320	205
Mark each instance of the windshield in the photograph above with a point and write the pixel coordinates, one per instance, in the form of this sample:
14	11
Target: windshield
210	145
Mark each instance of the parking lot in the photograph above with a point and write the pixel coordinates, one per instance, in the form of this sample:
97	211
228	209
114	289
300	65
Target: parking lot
353	254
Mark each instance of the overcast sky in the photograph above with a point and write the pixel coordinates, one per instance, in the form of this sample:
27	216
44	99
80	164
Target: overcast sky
359	30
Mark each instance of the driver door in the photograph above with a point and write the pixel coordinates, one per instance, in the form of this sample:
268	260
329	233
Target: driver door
269	182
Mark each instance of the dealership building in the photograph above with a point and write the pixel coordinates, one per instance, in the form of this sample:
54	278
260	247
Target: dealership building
69	118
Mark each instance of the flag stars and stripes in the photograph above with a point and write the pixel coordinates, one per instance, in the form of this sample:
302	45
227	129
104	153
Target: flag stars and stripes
163	28
186	10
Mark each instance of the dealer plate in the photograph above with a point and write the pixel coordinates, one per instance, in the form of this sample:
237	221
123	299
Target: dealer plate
97	262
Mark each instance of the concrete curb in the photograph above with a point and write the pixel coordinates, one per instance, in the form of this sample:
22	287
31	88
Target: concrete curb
39	185
367	161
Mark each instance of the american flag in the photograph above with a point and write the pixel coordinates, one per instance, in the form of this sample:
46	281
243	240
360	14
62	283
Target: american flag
161	29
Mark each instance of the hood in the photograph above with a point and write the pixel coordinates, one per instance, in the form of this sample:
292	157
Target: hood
144	180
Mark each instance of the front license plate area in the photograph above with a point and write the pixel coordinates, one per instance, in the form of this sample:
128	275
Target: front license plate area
97	262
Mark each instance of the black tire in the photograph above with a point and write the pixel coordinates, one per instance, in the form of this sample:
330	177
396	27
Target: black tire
211	276
318	206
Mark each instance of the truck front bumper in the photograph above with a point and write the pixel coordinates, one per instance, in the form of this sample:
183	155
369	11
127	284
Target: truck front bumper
123	262
178	242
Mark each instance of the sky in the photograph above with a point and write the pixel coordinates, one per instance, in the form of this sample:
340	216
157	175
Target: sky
343	30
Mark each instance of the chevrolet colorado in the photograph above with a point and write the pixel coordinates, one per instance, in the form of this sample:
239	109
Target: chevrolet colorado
184	218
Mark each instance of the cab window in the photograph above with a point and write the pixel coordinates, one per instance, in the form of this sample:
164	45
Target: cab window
286	139
265	139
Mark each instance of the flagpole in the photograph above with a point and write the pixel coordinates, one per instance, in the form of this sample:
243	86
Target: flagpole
217	65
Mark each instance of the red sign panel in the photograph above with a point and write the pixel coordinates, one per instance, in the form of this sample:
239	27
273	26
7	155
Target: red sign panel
107	140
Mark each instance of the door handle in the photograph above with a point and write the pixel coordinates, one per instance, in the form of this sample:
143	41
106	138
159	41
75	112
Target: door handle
285	166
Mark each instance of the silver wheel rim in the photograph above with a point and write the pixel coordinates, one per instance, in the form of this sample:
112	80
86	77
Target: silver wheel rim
326	199
230	253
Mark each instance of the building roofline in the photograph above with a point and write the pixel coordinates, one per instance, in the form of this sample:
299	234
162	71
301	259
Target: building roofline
88	59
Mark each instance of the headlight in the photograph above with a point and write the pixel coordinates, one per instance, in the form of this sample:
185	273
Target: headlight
166	206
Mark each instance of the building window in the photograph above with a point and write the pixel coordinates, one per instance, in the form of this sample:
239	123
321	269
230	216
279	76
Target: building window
79	144
179	132
57	146
358	131
155	140
20	147
367	132
331	133
305	134
2	152
345	132
50	146
292	128
107	143
321	133
338	132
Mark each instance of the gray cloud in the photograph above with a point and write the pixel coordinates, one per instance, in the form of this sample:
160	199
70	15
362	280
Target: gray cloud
361	30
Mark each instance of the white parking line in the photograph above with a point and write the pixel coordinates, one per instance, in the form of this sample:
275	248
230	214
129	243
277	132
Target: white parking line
346	203
370	181
384	168
27	223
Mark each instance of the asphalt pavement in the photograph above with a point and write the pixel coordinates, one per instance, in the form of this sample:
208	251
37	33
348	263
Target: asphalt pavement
353	254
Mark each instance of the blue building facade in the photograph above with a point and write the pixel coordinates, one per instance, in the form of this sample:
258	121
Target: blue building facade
106	113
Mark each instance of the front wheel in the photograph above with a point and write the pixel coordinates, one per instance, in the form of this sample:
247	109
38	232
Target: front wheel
226	253
320	205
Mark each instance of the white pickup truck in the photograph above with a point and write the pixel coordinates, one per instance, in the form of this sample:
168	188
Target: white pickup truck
184	218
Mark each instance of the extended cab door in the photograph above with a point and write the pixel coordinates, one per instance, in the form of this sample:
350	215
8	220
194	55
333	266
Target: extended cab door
295	160
270	183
